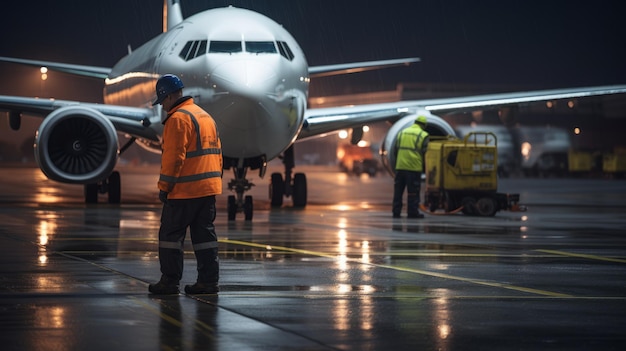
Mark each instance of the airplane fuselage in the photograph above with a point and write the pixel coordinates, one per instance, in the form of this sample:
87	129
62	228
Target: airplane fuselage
247	71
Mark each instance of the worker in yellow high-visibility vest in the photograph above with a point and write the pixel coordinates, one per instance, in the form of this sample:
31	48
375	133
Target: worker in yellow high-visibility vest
410	147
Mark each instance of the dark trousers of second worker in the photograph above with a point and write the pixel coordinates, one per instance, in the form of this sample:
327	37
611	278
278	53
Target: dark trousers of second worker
197	215
410	181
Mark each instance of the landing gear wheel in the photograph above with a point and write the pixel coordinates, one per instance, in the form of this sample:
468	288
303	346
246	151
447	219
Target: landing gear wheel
469	205
115	188
277	189
231	208
299	190
247	208
486	206
91	193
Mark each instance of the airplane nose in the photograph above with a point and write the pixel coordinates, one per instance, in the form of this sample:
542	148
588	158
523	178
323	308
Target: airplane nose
244	77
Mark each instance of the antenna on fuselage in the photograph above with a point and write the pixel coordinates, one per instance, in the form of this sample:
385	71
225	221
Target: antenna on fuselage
172	15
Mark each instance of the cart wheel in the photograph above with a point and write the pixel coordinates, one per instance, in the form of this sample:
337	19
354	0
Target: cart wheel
469	205
486	206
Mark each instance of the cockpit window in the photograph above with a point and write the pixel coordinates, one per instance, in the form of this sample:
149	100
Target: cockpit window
285	50
193	49
227	47
232	47
261	47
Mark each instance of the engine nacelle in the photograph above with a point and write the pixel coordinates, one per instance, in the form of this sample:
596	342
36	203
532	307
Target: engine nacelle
436	127
75	144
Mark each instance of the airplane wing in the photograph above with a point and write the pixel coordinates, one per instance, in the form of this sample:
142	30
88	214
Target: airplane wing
345	68
324	120
80	70
131	120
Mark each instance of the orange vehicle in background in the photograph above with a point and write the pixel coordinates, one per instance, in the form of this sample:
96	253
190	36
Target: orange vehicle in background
357	159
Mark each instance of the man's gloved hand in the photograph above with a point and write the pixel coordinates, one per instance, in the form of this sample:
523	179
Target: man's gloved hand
163	196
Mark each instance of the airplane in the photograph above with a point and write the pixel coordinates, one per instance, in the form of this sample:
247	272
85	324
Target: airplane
251	75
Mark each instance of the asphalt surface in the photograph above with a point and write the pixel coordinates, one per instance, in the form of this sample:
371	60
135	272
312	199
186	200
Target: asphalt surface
341	274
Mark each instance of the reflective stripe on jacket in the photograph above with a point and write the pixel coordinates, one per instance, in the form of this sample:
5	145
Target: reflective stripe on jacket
410	147
191	163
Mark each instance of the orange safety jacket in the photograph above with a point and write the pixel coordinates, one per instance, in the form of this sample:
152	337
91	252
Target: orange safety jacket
191	162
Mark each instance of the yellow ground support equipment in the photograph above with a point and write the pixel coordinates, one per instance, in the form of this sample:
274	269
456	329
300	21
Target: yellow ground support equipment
461	175
578	161
614	163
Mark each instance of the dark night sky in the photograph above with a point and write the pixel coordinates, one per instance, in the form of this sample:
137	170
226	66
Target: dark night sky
534	43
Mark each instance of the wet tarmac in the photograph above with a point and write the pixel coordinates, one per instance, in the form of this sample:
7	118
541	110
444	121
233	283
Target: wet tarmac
341	274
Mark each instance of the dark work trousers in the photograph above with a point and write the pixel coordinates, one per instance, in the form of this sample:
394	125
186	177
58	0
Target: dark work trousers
197	215
411	181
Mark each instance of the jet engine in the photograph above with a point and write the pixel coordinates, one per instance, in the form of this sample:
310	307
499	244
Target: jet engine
75	144
436	127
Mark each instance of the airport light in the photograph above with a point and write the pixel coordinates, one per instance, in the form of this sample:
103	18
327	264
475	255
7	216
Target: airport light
526	148
44	73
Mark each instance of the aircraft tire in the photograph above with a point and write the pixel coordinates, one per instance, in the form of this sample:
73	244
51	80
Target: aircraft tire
231	207
299	190
115	188
277	190
248	208
91	193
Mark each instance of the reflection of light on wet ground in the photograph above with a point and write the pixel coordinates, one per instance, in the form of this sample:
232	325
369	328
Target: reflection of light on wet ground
366	312
439	266
365	257
363	205
342	249
43	257
50	317
342	223
442	318
342	207
341	313
524	228
46	194
50	283
46	228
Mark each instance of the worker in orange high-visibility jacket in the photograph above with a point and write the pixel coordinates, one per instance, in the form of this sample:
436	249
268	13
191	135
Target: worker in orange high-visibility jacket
191	177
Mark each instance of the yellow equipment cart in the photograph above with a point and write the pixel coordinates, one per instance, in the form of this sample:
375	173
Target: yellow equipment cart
461	175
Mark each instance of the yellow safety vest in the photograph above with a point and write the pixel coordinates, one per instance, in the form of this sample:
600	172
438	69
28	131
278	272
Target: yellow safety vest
410	148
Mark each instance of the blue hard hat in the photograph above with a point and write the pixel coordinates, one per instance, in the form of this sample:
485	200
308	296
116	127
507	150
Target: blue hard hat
166	85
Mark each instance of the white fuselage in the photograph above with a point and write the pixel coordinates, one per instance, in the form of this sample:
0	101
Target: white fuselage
243	68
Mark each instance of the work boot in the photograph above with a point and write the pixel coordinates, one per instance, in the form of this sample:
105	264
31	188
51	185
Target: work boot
202	288
163	287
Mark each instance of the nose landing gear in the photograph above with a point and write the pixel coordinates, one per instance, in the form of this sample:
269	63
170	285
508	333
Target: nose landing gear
239	203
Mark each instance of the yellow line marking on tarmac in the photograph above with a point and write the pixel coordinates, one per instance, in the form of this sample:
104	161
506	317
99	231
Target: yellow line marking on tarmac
404	269
156	311
591	257
198	325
